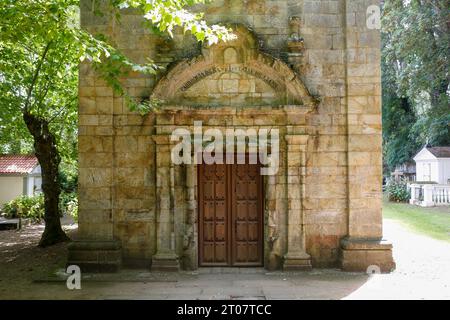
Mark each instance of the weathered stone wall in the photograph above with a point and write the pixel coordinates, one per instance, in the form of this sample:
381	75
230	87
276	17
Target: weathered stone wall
341	187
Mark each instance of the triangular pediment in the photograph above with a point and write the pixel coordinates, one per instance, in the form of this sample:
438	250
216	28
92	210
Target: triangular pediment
424	154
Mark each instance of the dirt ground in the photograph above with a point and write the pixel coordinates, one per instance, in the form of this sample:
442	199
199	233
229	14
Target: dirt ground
28	272
22	261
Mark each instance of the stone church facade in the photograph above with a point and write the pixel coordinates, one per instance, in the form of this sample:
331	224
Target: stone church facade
310	70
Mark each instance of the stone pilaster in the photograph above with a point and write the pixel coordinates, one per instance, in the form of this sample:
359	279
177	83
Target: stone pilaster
96	248
165	258
364	245
296	257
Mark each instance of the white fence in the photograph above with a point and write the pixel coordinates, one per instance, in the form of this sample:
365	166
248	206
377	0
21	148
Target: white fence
430	195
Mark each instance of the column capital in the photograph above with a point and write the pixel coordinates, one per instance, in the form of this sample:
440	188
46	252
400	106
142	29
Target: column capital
297	139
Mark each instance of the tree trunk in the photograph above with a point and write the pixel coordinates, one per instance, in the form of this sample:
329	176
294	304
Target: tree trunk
49	159
439	92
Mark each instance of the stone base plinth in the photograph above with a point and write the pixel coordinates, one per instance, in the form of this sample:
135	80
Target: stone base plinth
360	255
96	256
297	262
165	263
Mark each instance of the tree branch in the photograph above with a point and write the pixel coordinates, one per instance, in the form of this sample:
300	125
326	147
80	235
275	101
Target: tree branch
35	76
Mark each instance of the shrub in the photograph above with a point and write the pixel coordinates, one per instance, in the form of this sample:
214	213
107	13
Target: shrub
25	207
33	207
68	178
397	191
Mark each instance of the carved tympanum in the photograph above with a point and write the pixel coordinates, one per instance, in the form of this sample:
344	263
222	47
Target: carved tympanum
233	73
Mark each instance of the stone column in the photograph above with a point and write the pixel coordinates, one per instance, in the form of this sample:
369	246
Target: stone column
165	258
296	257
190	244
272	208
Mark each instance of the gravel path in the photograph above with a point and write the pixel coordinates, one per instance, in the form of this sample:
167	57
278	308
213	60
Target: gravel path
423	268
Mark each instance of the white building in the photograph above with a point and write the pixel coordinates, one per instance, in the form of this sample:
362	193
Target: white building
433	177
19	175
433	165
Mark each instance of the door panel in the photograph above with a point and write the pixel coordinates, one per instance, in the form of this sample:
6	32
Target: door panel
213	220
247	245
230	215
209	209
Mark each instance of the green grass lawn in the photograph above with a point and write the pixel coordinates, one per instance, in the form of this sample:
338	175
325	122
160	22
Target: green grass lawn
434	222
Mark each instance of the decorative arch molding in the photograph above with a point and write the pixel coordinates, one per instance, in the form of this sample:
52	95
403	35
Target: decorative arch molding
233	73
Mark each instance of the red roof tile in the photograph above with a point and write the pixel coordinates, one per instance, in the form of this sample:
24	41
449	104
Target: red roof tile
17	164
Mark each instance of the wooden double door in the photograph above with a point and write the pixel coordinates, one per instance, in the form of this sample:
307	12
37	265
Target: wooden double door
230	215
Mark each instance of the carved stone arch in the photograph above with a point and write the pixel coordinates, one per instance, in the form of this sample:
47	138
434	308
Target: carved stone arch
233	73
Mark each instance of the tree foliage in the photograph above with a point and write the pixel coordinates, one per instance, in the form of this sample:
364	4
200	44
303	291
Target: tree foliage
416	97
41	45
